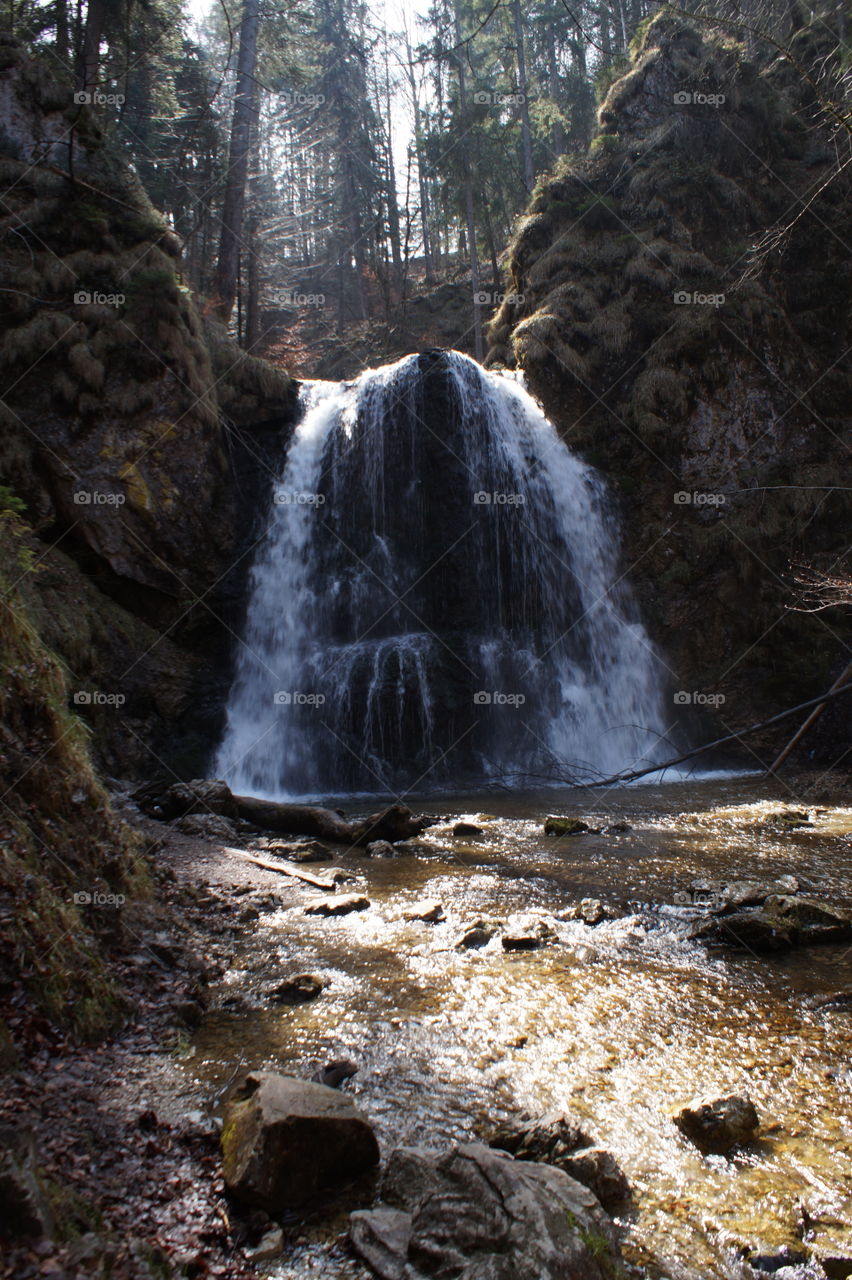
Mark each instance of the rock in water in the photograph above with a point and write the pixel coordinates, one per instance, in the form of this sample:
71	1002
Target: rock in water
526	933
717	1125
285	1139
477	1213
429	910
342	905
554	826
298	989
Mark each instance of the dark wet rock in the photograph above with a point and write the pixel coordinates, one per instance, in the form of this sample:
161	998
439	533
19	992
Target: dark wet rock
297	990
269	1246
204	796
717	1125
428	910
476	1212
547	1139
771	1263
336	1073
476	935
783	921
526	933
598	1170
285	1139
303	851
788	819
833	1000
556	826
190	1012
24	1208
340	905
208	826
746	893
381	1237
617	829
380	849
467	829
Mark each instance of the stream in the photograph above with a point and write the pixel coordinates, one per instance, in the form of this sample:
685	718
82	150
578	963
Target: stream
617	1024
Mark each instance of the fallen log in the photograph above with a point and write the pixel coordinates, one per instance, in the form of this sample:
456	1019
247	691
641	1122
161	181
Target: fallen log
394	823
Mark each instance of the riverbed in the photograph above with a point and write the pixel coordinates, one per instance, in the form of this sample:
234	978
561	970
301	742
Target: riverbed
616	1024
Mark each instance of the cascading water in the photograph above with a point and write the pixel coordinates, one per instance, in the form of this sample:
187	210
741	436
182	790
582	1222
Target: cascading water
437	601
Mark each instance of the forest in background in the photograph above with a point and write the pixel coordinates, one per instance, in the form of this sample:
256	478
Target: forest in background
328	160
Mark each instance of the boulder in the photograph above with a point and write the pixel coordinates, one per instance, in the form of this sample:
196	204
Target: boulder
526	932
473	1213
341	905
555	826
207	826
467	829
476	935
598	1170
380	849
303	851
783	921
429	910
717	1125
284	1139
546	1139
24	1209
297	990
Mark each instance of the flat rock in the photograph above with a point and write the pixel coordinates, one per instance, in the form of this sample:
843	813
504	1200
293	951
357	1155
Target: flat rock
339	905
716	1125
473	1213
284	1139
526	933
429	910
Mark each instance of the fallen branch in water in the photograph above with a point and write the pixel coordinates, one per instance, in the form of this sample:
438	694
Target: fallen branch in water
284	869
633	774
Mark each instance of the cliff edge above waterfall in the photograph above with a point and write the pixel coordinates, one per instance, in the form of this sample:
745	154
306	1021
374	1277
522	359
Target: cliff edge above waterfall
710	385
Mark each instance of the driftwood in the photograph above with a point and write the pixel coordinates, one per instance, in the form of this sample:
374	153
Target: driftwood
286	869
395	823
633	774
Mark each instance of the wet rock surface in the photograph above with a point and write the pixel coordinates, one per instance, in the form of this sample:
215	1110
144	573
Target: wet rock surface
477	1212
718	1125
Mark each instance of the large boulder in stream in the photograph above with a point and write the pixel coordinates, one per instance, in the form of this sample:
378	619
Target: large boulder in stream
781	922
473	1213
285	1139
556	1139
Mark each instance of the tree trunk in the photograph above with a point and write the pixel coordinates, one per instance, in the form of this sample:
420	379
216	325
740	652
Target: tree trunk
468	196
526	143
252	333
90	54
245	100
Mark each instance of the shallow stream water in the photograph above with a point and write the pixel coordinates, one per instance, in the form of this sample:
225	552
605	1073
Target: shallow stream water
617	1024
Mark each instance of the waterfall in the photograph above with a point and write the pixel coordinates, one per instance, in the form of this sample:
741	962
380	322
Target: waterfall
437	601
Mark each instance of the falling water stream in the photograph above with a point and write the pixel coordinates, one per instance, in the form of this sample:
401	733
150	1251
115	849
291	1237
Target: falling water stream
438	600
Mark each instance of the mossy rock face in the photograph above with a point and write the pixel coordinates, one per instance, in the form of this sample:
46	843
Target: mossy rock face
725	405
285	1139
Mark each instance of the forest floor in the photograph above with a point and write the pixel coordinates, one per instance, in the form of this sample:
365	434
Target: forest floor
134	1185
